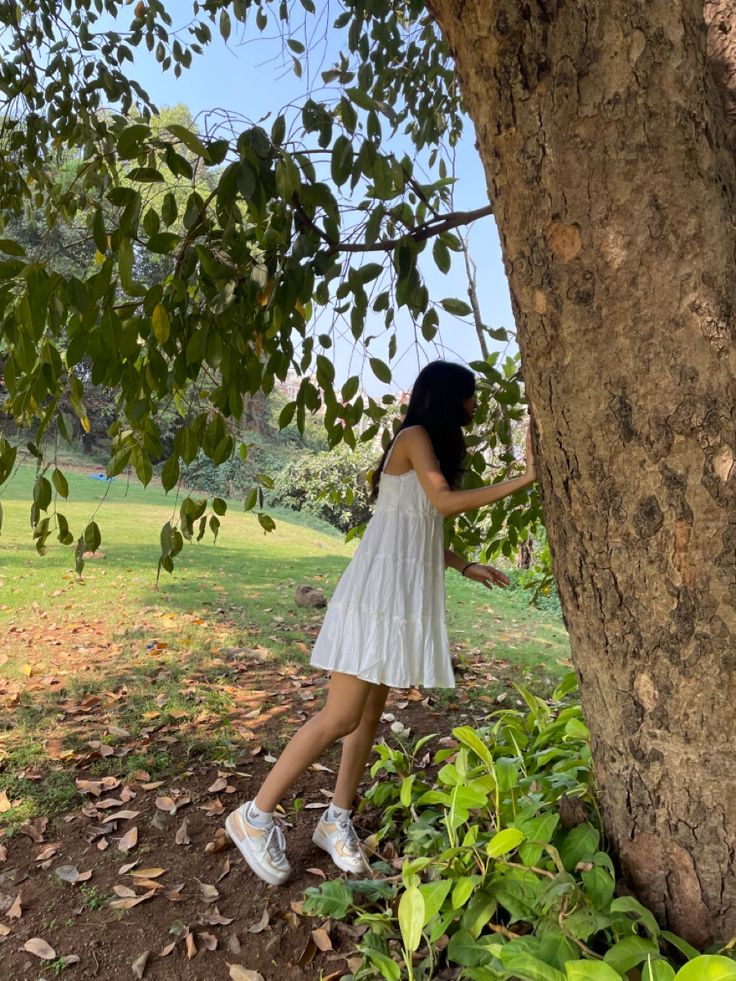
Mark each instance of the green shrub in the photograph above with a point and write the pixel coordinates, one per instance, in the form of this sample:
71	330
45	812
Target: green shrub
504	857
330	485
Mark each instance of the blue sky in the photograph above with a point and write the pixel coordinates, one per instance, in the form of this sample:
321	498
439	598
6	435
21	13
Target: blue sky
254	77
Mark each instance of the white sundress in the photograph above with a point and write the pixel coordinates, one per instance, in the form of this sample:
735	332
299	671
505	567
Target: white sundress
386	620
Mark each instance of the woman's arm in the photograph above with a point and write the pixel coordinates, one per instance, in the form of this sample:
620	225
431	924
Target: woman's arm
454	561
450	502
474	570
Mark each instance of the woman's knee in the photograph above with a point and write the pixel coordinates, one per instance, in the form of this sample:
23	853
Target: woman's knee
338	722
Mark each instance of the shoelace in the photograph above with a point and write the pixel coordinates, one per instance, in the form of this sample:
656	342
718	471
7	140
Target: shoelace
351	838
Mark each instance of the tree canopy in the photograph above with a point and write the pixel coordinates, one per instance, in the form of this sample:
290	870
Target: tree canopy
252	233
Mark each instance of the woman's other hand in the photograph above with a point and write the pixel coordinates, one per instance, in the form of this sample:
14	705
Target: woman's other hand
486	574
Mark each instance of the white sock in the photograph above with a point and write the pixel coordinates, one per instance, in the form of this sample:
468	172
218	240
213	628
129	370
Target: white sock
261	819
334	812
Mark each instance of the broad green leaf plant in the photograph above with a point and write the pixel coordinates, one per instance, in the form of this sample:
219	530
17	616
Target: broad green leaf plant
504	872
221	259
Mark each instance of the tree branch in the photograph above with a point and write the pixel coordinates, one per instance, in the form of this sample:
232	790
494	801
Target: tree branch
435	226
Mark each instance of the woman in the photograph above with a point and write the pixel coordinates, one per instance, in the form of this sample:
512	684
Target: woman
385	626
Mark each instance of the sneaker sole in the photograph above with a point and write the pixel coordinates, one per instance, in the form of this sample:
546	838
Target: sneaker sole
340	862
260	871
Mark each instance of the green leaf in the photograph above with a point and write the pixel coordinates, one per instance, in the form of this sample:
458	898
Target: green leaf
145	175
60	483
278	130
658	970
525	965
9	247
441	256
190	140
266	522
411	917
709	967
341	164
219	506
251	499
590	971
92	537
350	388
388	968
464	949
434	895
630	952
130	140
42	494
160	323
286	415
686	949
170	473
381	370
163	242
504	841
580	844
463	890
457	307
226	24
332	899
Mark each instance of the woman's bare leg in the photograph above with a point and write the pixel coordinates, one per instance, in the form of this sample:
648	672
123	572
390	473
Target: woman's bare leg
356	748
342	714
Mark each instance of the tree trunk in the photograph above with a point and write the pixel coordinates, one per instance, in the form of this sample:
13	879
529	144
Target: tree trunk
604	143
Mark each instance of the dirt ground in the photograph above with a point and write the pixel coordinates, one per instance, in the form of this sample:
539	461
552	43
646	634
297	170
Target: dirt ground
184	897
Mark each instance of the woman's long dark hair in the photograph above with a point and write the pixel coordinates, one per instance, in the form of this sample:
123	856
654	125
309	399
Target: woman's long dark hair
436	403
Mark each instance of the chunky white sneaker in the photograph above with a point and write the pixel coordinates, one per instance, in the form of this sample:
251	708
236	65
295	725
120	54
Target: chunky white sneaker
262	848
339	840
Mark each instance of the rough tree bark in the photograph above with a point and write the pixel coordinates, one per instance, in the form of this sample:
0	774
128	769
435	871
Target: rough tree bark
604	140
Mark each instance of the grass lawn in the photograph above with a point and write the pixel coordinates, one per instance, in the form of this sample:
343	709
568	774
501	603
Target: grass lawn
112	675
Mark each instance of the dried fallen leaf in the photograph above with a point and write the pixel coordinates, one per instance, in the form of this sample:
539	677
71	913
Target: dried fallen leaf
298	906
165	951
317	872
4	930
126	868
214	808
130	902
322	939
217	786
174	895
148	873
120	816
49	851
207	892
224	867
125	892
166	804
182	838
35	828
40	948
66	960
238	973
15	912
70	873
139	964
3	853
128	841
191	947
209	940
220	843
5	804
215	918
261	925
